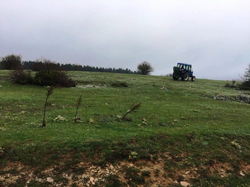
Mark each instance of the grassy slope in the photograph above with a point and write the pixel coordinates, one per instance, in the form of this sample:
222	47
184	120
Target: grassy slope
179	120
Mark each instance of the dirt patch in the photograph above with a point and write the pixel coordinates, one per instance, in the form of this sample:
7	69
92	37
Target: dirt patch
244	169
124	173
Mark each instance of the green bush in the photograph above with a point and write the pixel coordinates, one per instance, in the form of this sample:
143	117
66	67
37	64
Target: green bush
245	85
233	85
246	80
53	78
49	74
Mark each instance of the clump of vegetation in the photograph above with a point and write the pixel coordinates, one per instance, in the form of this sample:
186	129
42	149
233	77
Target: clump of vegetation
133	155
143	122
50	74
157	172
19	76
53	78
245	85
49	92
91	121
61	179
78	104
145	174
60	119
113	181
144	68
135	179
235	144
132	109
119	117
233	85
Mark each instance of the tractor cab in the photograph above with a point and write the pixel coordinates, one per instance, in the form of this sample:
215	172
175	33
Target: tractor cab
184	71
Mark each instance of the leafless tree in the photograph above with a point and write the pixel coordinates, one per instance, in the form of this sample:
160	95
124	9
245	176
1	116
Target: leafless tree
144	68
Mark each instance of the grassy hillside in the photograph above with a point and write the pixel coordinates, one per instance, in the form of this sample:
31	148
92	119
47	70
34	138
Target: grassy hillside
179	133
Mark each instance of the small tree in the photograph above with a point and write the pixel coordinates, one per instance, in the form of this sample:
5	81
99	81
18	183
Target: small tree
246	84
11	62
144	68
1	62
49	92
78	103
247	73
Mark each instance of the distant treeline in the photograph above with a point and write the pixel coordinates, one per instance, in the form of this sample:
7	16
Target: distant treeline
35	66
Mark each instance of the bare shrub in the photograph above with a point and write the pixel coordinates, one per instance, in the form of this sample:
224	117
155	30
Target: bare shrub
133	108
144	68
78	104
19	76
49	92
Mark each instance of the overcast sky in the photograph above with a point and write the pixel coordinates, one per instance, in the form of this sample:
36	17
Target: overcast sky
212	35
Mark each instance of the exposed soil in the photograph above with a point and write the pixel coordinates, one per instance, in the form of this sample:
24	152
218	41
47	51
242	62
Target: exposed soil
124	173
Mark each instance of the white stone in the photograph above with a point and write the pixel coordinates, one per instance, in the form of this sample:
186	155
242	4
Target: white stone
185	184
49	179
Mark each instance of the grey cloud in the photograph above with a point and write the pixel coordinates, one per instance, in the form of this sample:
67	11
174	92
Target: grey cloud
211	35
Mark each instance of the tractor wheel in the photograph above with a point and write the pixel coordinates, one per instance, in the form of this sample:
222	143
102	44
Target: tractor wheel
193	78
185	77
175	77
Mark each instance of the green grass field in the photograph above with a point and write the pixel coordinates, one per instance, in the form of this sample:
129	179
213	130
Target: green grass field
178	134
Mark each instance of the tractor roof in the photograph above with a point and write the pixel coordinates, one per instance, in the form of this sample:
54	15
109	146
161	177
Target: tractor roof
184	64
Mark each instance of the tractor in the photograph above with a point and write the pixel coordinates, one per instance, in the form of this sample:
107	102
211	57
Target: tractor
184	71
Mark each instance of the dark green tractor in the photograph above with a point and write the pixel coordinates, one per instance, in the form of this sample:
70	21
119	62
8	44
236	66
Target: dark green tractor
184	71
